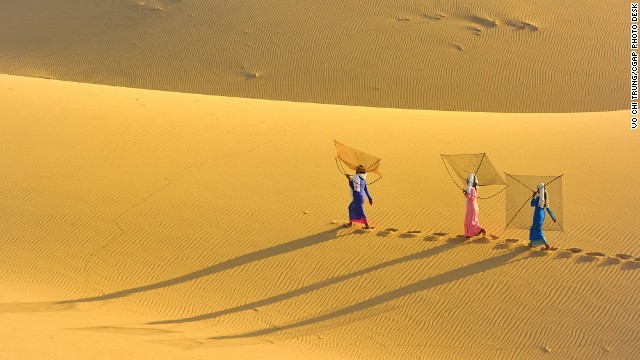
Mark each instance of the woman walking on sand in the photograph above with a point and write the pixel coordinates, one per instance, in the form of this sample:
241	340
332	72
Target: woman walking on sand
358	185
539	202
471	223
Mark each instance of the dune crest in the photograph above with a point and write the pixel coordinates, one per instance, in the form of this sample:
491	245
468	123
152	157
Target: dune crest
490	56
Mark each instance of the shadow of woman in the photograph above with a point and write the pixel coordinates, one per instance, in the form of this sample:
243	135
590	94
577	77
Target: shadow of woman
241	260
313	287
422	285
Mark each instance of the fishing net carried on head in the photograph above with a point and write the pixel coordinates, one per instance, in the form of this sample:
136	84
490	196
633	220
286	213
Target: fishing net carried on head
464	164
519	195
352	158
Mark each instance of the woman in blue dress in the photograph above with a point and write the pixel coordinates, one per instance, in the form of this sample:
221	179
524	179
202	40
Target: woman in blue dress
539	202
358	185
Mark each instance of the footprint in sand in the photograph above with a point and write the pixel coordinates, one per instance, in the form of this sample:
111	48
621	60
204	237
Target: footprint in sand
434	236
610	261
631	265
411	233
542	248
595	253
435	17
483	21
460	239
387	232
523	25
624	256
587	258
575	250
481	240
251	75
564	254
457	47
542	252
512	241
475	30
529	26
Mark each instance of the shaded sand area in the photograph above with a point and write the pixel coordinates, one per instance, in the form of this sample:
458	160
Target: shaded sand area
485	55
151	225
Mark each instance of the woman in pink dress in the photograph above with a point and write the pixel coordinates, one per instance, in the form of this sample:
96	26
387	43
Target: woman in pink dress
471	223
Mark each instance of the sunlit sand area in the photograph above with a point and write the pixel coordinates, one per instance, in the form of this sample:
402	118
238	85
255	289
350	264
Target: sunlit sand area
208	221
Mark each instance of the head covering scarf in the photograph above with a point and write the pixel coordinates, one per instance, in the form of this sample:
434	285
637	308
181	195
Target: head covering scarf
356	180
542	195
472	180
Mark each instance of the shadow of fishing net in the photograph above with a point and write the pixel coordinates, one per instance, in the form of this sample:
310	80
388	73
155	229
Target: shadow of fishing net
519	212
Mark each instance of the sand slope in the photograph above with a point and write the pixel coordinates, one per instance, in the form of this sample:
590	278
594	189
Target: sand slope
499	56
163	225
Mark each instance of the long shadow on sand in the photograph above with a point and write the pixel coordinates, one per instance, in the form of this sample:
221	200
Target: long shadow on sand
225	265
422	285
313	287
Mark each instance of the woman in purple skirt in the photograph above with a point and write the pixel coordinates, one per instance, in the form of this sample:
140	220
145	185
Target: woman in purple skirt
358	185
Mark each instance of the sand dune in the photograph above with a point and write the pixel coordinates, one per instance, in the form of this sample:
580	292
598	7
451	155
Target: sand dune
145	224
496	56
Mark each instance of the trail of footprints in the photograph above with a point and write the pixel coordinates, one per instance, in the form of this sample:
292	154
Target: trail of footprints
475	25
630	261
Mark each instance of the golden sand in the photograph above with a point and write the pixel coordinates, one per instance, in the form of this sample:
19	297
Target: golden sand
485	55
153	225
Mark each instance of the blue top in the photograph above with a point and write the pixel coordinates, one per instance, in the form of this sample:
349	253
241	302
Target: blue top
535	202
